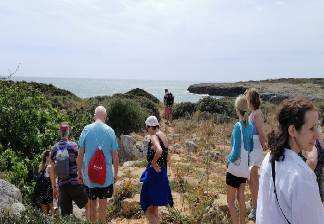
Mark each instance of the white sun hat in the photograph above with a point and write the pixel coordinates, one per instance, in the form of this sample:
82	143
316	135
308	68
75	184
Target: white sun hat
152	121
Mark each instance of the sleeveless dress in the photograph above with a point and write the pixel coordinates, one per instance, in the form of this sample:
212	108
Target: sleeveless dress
156	190
319	169
43	192
256	156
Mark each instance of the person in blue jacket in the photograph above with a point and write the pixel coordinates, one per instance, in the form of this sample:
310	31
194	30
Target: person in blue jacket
238	161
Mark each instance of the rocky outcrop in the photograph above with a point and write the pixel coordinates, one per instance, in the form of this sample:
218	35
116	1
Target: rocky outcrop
10	198
273	91
273	97
130	149
217	90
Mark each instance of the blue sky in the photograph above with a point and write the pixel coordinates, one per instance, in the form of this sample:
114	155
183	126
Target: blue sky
206	40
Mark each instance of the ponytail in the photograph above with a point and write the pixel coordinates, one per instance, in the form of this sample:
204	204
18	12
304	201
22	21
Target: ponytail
245	115
278	141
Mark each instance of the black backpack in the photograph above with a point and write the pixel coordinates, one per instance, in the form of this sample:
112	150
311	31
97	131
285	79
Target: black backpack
169	99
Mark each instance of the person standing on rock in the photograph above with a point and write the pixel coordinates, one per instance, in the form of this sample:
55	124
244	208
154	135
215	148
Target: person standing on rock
238	161
98	152
259	145
168	105
155	190
64	167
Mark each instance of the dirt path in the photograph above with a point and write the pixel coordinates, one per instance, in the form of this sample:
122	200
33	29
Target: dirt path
179	160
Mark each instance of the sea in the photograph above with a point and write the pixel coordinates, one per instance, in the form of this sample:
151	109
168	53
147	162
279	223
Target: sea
85	88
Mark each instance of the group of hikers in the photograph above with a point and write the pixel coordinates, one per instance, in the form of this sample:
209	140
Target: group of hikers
80	173
288	190
85	172
290	186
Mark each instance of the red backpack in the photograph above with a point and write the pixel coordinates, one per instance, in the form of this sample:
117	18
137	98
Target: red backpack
97	167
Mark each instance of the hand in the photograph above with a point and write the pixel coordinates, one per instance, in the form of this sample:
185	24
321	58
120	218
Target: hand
156	167
55	193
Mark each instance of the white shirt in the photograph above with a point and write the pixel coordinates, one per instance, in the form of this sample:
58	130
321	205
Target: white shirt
297	192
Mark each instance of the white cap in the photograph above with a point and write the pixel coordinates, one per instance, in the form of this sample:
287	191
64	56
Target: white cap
152	121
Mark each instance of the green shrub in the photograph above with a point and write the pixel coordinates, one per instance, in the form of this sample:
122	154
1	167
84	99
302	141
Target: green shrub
183	110
126	116
146	103
216	106
149	106
28	122
143	93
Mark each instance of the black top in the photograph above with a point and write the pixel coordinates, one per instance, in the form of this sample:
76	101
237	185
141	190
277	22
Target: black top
163	160
319	169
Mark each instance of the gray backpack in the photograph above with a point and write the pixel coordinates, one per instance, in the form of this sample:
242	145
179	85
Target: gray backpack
62	163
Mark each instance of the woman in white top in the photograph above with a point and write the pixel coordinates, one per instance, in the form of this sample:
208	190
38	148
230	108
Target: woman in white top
259	145
290	193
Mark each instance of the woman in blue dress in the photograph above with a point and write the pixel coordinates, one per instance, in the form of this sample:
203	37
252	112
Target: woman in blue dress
155	190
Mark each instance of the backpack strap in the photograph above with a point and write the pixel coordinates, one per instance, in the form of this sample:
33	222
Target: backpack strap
274	186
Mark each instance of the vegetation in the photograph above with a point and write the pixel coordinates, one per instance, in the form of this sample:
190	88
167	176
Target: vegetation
126	116
34	216
29	118
211	107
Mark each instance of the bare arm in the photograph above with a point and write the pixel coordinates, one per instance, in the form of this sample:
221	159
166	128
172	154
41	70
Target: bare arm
52	175
115	158
80	162
259	124
158	152
312	158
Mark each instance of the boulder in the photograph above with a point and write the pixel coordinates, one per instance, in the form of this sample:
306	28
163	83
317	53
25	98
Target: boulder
130	150
10	198
129	163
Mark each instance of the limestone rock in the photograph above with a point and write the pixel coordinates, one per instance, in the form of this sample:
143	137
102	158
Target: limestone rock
129	149
10	198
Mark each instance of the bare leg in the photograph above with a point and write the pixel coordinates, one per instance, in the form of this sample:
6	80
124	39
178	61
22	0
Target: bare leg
156	213
102	210
241	200
254	185
231	191
150	215
92	209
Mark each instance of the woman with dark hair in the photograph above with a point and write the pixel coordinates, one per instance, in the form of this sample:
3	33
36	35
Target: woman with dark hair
288	192
155	190
43	193
259	145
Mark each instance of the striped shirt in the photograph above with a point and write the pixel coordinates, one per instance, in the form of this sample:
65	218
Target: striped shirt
72	149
